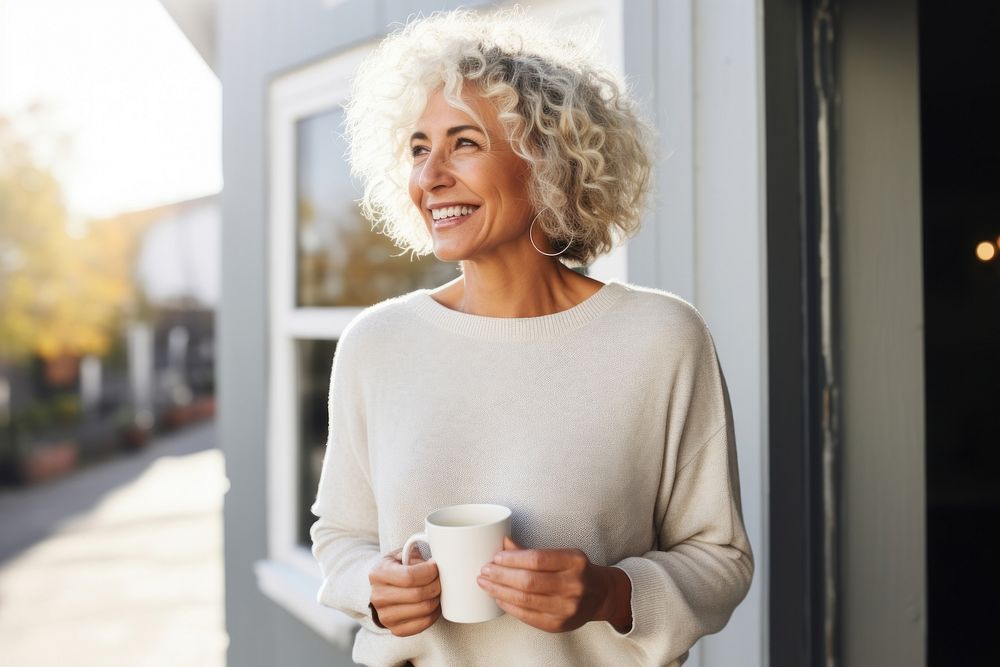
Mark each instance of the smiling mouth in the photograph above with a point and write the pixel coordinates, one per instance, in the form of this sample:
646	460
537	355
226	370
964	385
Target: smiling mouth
450	216
451	213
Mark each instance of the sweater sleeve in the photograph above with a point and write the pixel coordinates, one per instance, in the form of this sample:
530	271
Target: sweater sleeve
345	536
701	568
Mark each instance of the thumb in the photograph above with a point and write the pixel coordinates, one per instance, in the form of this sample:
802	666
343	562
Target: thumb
510	545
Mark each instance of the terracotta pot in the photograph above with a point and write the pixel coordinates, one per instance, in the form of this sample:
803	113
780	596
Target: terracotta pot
49	461
205	407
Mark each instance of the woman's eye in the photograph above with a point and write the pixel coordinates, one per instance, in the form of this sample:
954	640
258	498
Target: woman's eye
417	151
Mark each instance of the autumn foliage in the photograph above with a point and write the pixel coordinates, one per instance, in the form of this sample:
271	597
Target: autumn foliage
63	287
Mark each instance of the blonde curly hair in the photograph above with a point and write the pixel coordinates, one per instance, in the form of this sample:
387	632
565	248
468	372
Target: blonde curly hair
567	116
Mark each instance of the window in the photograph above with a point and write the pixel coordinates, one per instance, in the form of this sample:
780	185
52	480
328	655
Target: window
313	375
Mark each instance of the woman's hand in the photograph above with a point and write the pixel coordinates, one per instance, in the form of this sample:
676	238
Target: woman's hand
406	598
557	590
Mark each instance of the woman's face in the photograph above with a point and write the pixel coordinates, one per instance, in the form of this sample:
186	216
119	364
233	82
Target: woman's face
473	200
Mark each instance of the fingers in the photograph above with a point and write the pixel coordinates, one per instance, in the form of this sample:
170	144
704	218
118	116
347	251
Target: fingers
393	573
545	588
407	611
543	560
538	602
397	615
384	595
415	626
547	583
406	597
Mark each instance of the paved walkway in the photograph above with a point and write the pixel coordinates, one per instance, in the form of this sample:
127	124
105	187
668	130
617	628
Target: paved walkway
119	564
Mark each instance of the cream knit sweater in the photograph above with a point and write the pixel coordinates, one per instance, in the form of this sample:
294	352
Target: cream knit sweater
606	427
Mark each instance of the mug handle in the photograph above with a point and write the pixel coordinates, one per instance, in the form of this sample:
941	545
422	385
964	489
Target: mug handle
413	539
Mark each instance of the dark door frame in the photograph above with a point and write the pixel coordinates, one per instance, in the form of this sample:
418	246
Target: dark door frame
800	83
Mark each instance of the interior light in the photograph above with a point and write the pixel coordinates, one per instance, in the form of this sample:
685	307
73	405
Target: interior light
986	251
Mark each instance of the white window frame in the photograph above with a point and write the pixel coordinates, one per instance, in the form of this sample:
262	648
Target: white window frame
290	575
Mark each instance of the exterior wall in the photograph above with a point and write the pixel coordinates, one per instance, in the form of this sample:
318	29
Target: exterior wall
185	235
699	68
703	240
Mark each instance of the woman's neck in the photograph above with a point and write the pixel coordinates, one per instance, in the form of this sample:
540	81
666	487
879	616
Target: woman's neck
544	287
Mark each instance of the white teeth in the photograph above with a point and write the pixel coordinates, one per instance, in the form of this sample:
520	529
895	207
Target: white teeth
451	211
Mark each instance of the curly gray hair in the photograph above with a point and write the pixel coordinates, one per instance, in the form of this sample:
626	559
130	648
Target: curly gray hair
568	117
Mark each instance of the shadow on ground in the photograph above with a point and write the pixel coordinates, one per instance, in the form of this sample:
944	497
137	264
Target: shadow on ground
28	515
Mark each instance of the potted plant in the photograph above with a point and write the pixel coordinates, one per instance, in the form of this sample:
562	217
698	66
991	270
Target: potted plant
44	446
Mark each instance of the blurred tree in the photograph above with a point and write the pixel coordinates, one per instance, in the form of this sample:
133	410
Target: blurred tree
63	286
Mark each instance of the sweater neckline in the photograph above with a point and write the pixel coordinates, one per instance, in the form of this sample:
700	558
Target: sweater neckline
516	328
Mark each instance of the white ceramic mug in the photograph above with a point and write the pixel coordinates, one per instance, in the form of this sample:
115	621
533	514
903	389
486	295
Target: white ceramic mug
463	538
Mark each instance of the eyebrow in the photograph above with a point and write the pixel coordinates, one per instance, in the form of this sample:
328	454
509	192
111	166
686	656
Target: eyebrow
451	131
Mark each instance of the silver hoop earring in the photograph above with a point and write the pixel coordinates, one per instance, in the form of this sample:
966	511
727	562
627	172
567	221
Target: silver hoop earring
547	254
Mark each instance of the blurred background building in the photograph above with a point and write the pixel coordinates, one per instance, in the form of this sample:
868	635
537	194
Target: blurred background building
110	481
151	363
107	299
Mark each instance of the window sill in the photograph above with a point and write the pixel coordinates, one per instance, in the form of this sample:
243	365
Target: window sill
296	592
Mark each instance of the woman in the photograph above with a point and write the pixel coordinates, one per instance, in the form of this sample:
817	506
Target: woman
597	412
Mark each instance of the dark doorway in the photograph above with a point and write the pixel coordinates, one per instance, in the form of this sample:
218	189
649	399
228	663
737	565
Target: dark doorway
960	99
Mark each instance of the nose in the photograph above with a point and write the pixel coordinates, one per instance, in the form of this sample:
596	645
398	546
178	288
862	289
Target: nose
435	172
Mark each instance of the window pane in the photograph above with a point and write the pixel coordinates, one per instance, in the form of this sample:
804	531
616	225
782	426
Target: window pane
340	260
314	359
